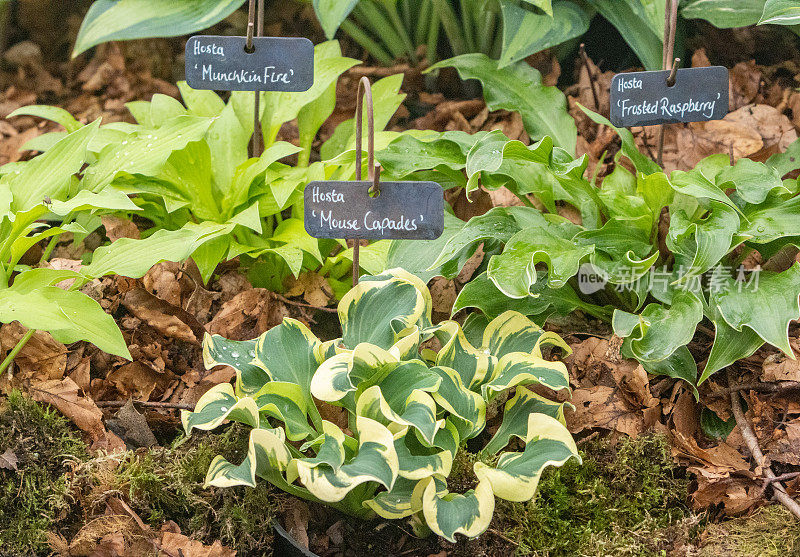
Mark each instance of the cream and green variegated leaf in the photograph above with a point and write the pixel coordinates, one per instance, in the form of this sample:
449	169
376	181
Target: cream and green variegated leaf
417	410
519	368
417	461
449	514
288	353
267	453
380	307
397	503
375	461
284	401
510	332
468	408
217	405
515	417
547	443
472	364
239	354
330	447
338	376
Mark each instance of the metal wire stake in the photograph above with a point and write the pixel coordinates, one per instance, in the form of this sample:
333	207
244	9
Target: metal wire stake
373	171
670	25
255	25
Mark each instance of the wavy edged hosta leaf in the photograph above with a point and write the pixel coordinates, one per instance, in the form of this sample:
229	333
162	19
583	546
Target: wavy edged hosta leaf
238	354
519	88
417	409
267	452
511	332
473	364
467	407
340	374
284	401
780	12
729	345
448	514
516	475
217	405
381	306
122	20
724	14
519	368
375	461
515	417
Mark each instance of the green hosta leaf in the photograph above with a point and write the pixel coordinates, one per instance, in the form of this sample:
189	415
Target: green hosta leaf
695	184
375	461
511	332
729	345
267	452
547	443
639	25
284	401
621	253
660	330
408	154
449	514
699	245
340	374
69	316
381	306
108	199
54	113
771	220
421	462
780	12
122	20
519	88
467	406
240	356
217	405
145	152
753	180
133	258
397	503
526	369
49	174
767	307
472	364
515	417
526	32
331	14
724	13
496	224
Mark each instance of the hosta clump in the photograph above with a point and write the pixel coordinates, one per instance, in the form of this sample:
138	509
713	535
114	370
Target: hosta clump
409	410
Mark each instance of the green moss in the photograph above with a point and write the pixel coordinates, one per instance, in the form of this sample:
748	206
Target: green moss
167	484
623	500
769	532
35	496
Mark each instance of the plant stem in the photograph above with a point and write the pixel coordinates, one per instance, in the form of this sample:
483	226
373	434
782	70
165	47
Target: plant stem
433	36
17	347
489	30
423	22
451	27
381	26
400	27
466	24
367	43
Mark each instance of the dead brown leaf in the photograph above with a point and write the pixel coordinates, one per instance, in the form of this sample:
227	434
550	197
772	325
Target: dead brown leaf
604	407
63	394
117	228
178	544
139	381
777	367
247	315
168	319
41	359
315	289
8	460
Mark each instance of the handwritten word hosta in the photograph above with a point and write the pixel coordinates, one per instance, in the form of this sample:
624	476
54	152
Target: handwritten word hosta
645	98
402	210
275	64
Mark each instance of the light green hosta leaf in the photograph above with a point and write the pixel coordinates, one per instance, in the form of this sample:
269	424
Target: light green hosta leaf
724	13
753	180
49	174
516	476
695	184
699	245
267	453
496	224
108	199
452	513
408	154
203	103
284	401
767	307
145	152
280	107
729	345
122	20
526	32
658	331
217	405
639	24
331	14
382	306
162	109
780	12
515	417
54	113
519	88
375	461
34	279
240	356
133	258
69	316
227	140
622	253
467	406
773	219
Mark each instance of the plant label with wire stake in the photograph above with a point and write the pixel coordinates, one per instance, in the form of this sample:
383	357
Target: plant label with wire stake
401	211
223	63
646	99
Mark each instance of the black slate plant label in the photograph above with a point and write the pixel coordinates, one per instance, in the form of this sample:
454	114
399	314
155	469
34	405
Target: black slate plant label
402	211
221	63
645	99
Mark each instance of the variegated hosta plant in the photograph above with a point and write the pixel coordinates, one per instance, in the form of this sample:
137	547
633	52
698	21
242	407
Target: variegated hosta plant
409	410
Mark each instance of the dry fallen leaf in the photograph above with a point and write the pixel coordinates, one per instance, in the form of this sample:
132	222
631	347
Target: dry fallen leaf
314	288
777	367
604	407
8	460
41	359
63	394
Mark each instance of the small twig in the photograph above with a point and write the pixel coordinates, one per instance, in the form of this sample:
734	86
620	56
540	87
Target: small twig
778	491
592	83
706	331
291	302
773	388
781	478
146	404
502	536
